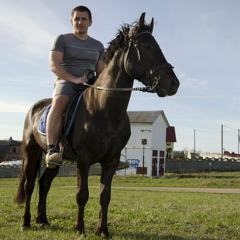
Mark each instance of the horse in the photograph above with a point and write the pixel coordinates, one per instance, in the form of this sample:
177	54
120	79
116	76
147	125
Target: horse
101	127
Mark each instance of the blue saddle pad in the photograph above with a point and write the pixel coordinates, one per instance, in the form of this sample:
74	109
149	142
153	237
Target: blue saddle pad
43	119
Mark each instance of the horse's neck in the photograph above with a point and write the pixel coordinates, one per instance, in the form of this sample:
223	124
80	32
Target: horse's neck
114	102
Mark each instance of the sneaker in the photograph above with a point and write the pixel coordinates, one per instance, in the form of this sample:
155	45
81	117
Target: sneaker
53	158
123	165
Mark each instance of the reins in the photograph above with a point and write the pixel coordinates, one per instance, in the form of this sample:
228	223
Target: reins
142	89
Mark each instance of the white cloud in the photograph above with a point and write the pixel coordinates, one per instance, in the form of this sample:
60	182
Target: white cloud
14	107
187	81
27	33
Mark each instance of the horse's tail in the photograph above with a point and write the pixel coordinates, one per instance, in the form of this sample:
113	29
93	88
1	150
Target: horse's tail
21	194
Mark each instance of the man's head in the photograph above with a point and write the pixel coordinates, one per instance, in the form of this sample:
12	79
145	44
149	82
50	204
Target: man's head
82	9
81	19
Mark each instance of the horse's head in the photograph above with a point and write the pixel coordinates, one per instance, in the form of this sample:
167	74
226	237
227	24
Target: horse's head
145	61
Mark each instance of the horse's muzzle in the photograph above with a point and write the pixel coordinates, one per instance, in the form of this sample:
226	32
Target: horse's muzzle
168	88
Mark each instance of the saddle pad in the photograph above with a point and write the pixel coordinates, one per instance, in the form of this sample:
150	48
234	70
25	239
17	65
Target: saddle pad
67	123
43	120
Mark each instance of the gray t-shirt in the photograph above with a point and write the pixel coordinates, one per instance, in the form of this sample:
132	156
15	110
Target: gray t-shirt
78	55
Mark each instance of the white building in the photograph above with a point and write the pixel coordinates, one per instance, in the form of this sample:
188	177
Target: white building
146	148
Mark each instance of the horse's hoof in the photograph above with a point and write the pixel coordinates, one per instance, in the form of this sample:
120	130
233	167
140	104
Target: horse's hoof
81	234
82	237
103	233
106	236
45	225
25	228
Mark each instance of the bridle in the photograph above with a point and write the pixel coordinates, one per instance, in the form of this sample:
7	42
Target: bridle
151	73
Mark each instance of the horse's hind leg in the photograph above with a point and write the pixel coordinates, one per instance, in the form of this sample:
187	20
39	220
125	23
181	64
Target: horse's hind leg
44	186
32	160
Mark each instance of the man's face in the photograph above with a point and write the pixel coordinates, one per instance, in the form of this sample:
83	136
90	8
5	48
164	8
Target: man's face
80	22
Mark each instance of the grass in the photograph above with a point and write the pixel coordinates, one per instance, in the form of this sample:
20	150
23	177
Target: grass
133	214
202	180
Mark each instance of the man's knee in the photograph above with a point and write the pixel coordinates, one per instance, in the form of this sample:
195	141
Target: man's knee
60	103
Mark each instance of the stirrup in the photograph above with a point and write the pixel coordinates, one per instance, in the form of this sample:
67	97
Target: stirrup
50	161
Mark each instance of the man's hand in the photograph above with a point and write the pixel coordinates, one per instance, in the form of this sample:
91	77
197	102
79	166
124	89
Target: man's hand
80	80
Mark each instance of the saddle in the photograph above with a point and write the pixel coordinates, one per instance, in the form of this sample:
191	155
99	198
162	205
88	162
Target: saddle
68	119
69	116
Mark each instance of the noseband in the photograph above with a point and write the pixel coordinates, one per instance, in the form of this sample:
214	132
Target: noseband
156	78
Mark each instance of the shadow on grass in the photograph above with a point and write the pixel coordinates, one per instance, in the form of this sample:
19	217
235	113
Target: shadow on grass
145	236
62	232
202	176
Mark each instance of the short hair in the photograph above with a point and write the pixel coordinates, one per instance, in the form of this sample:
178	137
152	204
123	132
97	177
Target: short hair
82	9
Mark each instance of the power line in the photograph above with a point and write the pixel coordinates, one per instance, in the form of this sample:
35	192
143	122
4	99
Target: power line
212	134
231	128
207	130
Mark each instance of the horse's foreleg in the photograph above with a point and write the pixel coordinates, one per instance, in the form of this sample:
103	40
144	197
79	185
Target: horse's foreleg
44	186
105	197
81	196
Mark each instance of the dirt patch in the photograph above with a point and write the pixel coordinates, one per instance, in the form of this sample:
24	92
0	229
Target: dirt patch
173	189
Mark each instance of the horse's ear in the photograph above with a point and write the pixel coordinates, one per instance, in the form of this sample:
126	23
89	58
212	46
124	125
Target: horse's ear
150	25
141	20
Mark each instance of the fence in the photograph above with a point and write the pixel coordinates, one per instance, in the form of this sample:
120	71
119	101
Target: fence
189	165
68	170
186	165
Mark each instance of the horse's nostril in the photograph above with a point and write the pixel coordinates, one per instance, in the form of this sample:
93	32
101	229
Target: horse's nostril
174	82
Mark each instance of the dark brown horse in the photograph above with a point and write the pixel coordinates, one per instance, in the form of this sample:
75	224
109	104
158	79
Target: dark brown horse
101	127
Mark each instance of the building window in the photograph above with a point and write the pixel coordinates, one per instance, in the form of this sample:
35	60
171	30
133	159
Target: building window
14	150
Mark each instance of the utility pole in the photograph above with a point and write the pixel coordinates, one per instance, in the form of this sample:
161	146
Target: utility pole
194	145
238	139
221	141
144	142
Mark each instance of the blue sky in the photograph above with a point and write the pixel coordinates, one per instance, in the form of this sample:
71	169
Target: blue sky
201	39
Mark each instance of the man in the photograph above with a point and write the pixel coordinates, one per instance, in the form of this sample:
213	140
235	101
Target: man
71	54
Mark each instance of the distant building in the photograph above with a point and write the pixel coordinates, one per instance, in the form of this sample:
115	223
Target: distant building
170	140
150	141
10	150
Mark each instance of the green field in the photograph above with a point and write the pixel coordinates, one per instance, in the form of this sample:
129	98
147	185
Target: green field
133	214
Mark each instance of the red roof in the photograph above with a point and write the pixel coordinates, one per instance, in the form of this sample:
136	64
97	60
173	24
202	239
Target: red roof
170	135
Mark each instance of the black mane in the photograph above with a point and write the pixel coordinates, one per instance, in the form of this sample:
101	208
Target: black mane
121	40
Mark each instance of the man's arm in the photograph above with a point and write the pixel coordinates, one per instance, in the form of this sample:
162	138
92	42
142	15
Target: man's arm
100	66
55	60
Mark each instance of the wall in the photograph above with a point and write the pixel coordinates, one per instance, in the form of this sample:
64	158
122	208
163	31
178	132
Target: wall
159	144
135	151
134	155
18	155
171	166
189	165
69	170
